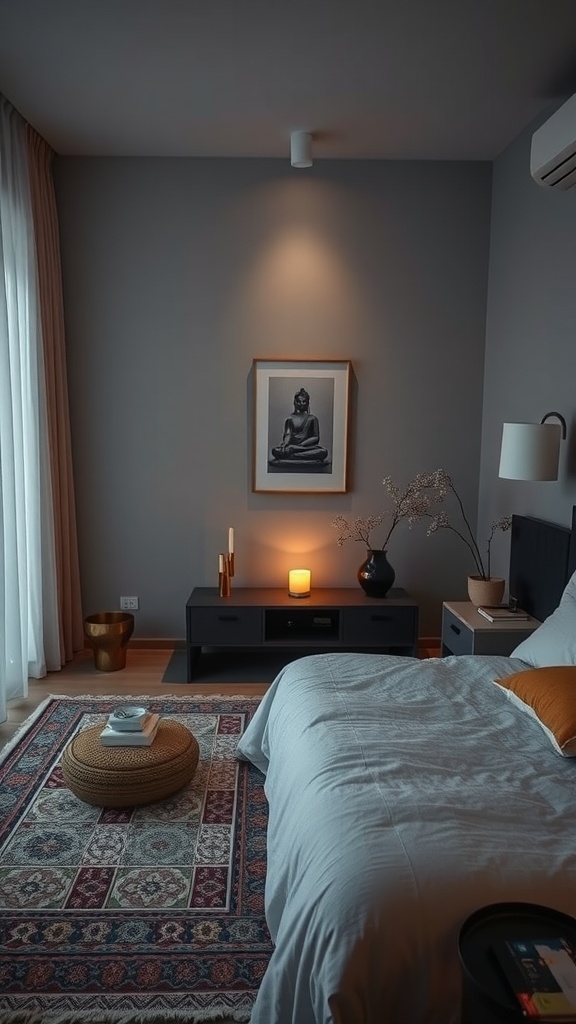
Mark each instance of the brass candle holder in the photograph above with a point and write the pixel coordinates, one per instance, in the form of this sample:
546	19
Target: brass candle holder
223	576
226	567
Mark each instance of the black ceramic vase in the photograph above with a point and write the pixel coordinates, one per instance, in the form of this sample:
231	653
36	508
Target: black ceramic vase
376	575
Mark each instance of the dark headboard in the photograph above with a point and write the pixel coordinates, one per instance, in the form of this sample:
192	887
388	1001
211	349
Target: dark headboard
572	552
542	559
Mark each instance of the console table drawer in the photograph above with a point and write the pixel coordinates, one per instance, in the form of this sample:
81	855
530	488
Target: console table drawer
379	627
230	625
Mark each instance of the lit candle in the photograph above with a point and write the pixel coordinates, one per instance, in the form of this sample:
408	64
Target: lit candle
231	540
299	582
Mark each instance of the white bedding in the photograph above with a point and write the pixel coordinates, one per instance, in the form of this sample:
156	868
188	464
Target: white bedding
403	795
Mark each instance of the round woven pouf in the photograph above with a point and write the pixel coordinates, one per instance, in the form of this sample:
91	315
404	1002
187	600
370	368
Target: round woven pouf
130	776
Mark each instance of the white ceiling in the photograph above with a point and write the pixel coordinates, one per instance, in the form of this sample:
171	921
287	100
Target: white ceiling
386	79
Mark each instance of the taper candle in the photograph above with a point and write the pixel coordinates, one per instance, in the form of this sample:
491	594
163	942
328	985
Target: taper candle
231	540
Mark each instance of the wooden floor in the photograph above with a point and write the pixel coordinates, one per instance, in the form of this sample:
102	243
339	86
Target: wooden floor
141	677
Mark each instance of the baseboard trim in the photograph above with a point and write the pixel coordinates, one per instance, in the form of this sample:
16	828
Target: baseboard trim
139	643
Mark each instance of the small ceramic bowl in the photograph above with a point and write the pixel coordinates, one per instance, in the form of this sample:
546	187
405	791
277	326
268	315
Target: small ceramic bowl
128	718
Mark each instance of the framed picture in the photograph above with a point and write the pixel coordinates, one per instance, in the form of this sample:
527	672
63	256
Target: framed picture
300	426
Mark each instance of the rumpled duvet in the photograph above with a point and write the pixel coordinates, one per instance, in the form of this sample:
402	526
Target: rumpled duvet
403	796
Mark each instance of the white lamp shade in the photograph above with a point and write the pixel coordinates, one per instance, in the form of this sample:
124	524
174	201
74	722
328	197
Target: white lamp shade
301	149
530	451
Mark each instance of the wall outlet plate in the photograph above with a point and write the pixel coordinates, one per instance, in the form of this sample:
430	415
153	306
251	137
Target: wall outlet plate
129	604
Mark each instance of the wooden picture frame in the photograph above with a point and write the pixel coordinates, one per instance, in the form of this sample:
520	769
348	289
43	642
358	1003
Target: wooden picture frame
300	426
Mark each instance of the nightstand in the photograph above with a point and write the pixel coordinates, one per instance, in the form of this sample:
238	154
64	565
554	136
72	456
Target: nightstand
465	631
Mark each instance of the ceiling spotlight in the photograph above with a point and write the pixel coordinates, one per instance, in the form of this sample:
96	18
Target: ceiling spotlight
301	149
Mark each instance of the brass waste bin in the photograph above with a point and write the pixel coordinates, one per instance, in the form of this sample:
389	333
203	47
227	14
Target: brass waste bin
108	633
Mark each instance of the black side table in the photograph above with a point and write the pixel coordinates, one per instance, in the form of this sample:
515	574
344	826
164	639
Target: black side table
487	997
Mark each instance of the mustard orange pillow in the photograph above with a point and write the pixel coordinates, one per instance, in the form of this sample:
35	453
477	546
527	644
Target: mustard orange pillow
548	695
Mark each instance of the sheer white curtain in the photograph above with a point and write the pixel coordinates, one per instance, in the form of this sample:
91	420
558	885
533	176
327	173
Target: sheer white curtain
29	632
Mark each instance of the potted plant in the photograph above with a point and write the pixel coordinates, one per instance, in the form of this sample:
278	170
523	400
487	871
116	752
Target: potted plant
483	588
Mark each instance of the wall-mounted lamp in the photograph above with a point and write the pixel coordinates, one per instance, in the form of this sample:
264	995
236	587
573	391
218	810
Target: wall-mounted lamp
301	149
299	583
531	451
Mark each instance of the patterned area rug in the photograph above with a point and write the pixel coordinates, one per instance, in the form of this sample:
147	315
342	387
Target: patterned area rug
152	914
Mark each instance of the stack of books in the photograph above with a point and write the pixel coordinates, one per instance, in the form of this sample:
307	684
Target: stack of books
502	613
542	976
138	734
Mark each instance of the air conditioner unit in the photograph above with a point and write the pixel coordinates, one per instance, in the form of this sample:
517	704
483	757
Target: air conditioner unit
553	152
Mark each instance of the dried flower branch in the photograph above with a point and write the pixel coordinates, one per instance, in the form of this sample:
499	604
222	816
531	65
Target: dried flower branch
414	503
411	504
440	521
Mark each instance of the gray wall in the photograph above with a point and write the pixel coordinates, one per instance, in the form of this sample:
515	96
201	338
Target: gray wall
530	342
178	273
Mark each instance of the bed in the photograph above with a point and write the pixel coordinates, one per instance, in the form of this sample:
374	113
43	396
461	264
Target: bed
404	795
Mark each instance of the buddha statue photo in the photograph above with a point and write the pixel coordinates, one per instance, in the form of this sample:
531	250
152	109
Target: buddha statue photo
300	445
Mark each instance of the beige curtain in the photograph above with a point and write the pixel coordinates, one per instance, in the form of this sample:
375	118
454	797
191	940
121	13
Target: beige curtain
52	322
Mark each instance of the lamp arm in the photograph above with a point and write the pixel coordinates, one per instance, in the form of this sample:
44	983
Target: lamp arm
558	416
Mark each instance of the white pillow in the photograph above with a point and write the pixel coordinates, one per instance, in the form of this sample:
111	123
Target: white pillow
554	642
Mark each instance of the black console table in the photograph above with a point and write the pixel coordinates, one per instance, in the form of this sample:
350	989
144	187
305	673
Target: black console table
330	619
